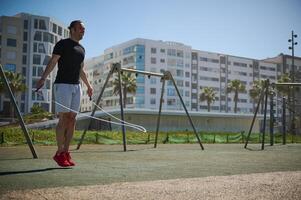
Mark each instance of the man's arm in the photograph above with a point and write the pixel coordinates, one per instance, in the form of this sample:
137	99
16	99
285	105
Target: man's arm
83	76
50	66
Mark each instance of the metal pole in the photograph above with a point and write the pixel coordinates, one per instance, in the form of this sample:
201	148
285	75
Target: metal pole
21	121
265	112
283	121
271	120
254	117
94	109
121	107
160	108
189	118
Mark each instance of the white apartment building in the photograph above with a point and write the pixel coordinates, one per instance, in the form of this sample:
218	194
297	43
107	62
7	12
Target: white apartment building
152	56
192	70
26	44
95	74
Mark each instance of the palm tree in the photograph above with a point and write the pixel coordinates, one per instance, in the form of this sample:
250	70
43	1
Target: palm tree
284	89
16	84
208	95
128	85
255	91
236	86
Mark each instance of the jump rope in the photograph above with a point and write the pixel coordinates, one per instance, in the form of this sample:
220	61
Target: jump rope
122	122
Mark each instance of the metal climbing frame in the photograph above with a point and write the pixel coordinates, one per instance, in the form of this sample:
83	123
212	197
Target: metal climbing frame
116	67
263	97
21	121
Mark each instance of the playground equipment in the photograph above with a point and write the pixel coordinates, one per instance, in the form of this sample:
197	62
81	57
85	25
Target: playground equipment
20	118
263	98
116	67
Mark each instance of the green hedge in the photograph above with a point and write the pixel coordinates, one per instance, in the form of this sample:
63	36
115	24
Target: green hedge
14	136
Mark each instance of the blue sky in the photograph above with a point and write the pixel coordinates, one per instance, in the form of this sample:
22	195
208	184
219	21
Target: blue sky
248	28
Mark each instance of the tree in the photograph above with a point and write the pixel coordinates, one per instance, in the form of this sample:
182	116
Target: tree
255	91
208	95
128	85
236	86
284	89
16	84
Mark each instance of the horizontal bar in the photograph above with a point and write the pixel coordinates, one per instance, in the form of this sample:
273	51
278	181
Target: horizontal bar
288	84
142	72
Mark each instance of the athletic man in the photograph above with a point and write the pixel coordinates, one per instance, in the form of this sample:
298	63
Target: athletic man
69	55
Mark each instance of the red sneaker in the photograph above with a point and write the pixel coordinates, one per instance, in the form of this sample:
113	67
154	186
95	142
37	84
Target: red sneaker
61	160
69	159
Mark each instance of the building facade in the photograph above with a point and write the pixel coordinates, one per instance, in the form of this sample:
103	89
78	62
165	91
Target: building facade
26	44
192	70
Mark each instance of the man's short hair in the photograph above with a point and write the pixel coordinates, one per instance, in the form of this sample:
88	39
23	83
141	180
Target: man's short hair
73	23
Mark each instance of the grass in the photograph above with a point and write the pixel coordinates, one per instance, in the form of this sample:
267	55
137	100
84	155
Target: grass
14	136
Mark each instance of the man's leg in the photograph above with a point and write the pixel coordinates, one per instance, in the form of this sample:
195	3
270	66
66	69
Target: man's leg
70	130
60	157
61	128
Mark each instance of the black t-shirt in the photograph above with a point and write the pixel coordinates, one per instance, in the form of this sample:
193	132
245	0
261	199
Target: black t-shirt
69	65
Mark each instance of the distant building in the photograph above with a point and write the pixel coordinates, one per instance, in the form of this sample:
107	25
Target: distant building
26	44
192	70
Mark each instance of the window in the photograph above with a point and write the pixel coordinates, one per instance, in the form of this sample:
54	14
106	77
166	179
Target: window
34	69
40	71
24	48
153	80
11	42
25	24
153	90
11	29
140	90
240	64
47	37
36	59
46	59
187	84
24	71
187	74
152	101
10	67
139	100
180	53
162	50
153	50
171	92
187	93
36	23
41	48
59	31
180	73
38	36
42	24
25	36
162	60
153	60
180	83
24	60
171	102
54	28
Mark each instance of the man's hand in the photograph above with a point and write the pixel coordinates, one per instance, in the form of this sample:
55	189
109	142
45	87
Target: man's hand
40	84
90	92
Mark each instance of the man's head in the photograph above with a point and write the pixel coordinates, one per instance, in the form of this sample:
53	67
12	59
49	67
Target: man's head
77	29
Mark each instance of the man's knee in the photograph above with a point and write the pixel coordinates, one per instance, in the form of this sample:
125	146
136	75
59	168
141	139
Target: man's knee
71	118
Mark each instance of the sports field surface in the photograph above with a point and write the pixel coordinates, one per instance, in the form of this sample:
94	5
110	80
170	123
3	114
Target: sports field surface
171	171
